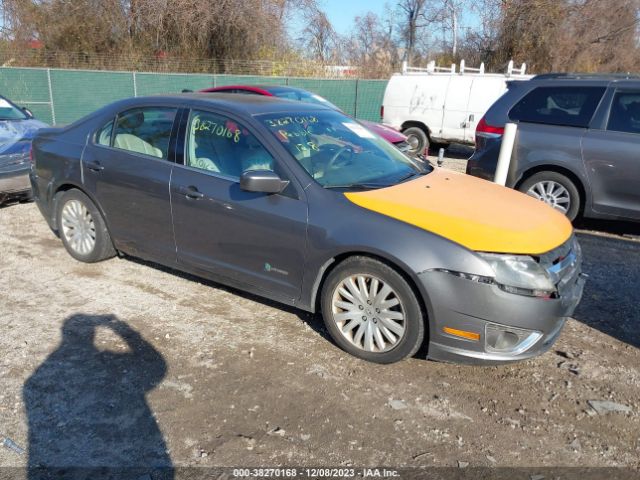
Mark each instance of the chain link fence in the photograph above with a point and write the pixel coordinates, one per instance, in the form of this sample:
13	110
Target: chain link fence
60	96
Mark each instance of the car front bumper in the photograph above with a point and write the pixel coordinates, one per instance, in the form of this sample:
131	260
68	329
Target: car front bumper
458	304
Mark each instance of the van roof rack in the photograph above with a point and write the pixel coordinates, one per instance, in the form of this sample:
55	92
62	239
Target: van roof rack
461	70
587	76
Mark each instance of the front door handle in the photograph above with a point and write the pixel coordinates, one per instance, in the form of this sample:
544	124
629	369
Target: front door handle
190	192
95	166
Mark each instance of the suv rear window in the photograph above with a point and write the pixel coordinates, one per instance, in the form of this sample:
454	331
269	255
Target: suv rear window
568	106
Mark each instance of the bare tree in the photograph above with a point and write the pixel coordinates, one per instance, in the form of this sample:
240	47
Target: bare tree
415	18
238	29
319	37
449	14
372	45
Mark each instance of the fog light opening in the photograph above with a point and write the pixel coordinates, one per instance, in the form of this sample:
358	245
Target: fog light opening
512	340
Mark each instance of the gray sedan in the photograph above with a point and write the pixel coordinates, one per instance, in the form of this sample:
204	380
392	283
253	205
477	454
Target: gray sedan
300	204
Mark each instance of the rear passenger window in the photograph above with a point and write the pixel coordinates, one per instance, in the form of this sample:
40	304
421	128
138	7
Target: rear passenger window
568	106
145	130
625	113
103	136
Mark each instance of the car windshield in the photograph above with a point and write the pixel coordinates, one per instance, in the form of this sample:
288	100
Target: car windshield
340	153
303	96
10	112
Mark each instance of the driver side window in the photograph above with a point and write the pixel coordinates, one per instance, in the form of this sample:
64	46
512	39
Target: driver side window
220	145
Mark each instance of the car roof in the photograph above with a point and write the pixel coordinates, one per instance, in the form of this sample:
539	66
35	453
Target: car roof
587	79
281	88
264	87
587	76
248	104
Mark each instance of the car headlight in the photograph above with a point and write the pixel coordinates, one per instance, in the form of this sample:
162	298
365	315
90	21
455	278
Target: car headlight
520	274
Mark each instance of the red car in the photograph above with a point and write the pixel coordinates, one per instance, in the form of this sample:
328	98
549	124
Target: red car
292	93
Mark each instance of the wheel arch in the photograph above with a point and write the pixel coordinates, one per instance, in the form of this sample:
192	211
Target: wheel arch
416	123
584	196
64	187
413	282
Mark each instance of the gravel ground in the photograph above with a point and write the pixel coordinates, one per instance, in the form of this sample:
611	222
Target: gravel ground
123	363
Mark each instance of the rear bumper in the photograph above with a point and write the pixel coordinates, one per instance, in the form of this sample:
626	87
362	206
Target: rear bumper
40	197
482	167
468	306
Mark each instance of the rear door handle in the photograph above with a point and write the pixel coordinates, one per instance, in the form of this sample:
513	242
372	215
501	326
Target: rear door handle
190	192
95	166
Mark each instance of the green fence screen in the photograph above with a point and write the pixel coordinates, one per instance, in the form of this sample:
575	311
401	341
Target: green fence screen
59	96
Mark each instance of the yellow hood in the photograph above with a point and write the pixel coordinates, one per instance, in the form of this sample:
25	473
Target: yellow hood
478	214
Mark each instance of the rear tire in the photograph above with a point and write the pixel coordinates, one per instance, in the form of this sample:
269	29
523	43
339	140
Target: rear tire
556	190
371	311
82	229
418	140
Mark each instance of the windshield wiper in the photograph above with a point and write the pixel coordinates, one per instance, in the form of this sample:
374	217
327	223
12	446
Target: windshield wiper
418	173
364	186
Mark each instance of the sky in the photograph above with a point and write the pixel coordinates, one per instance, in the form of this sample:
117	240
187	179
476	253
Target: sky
342	12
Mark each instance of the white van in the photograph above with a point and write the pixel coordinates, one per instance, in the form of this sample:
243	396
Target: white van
435	105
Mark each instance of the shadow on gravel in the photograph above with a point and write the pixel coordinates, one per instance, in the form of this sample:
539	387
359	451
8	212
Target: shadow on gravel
10	201
627	229
611	296
313	320
87	412
455	150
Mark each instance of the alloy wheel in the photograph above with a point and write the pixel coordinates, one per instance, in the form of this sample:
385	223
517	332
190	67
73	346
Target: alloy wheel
78	227
552	193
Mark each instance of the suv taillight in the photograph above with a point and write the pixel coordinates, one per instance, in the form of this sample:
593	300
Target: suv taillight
381	112
487	130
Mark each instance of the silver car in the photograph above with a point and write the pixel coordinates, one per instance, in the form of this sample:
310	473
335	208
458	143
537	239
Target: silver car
577	143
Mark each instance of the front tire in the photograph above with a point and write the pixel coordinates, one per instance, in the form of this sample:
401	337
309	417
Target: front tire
82	229
371	311
556	190
418	140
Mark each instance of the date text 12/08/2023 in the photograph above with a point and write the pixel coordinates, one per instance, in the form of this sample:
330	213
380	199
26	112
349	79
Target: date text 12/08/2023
314	473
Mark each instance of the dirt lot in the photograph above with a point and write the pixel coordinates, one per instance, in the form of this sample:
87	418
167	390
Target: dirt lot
122	363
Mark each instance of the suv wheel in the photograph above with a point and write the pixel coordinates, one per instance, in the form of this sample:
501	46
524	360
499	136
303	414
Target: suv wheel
417	139
555	190
371	311
82	228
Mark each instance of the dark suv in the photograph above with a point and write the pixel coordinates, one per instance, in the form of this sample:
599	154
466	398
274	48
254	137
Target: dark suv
577	146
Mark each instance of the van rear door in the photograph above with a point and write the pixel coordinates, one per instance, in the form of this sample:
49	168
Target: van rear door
454	118
485	90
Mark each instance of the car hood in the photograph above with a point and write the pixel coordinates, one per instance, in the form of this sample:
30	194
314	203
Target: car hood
14	131
477	214
389	134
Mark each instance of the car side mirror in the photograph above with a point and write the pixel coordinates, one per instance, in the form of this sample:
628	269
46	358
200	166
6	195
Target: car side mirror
28	112
263	181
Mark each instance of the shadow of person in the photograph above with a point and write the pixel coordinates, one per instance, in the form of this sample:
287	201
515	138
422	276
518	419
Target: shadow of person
86	408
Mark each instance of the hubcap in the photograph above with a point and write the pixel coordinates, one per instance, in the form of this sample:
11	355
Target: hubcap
78	228
368	313
413	141
552	193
